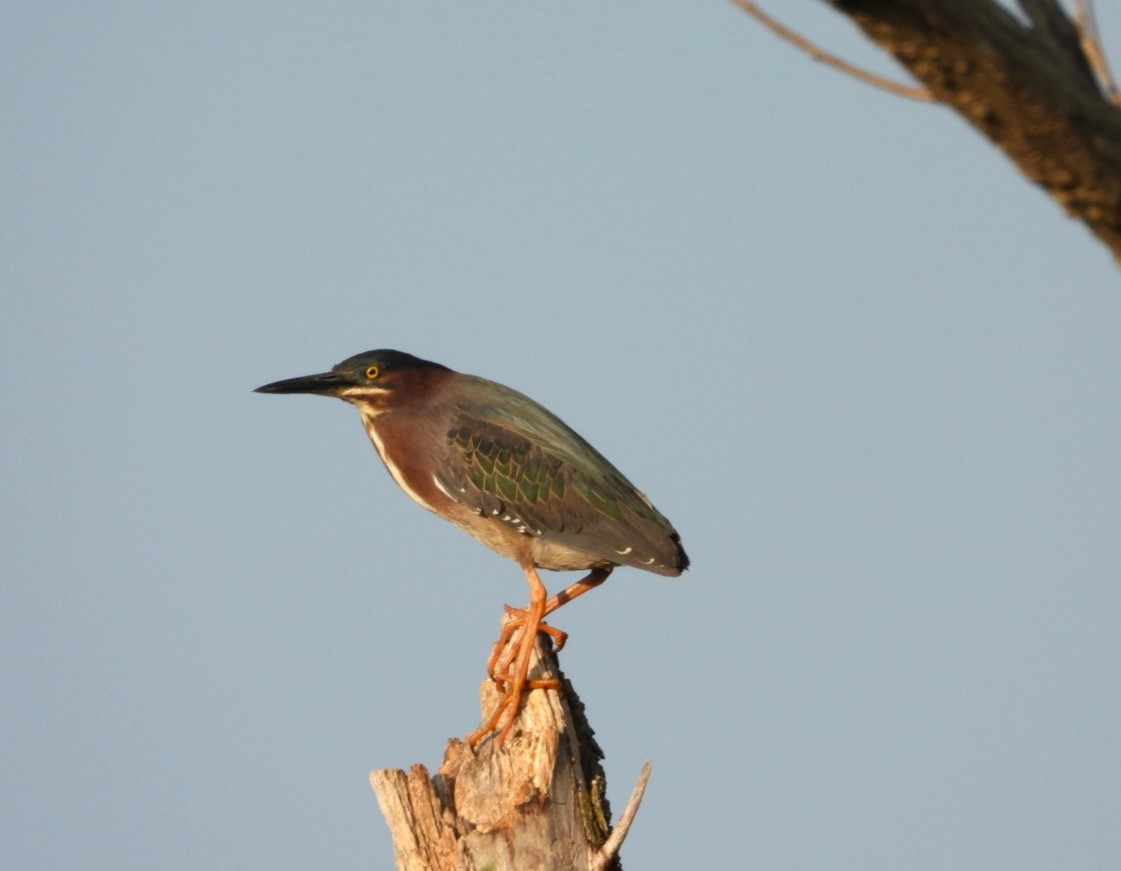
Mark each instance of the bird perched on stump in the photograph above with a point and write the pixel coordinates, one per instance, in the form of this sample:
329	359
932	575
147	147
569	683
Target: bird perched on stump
509	472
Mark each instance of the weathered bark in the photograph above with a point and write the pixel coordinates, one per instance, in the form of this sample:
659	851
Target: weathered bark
537	803
1024	83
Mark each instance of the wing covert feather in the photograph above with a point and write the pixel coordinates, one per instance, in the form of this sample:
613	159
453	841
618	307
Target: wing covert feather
528	468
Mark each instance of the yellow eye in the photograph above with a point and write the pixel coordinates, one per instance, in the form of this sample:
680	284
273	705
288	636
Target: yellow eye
372	372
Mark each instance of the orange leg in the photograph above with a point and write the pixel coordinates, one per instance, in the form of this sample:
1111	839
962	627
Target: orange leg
515	682
593	580
526	623
498	664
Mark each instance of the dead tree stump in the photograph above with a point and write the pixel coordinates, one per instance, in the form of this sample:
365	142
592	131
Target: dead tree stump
537	803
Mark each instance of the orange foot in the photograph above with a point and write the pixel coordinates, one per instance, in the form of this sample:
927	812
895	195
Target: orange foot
509	661
511	672
506	712
503	652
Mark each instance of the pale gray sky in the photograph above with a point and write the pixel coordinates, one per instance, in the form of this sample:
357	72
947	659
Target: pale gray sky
871	374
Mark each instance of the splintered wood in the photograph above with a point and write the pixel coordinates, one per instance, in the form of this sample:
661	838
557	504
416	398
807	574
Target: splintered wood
537	803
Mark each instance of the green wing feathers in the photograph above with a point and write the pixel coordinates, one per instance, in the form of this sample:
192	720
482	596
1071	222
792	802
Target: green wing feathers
533	471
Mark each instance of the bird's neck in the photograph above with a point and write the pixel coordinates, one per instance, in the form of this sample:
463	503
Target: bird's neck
387	440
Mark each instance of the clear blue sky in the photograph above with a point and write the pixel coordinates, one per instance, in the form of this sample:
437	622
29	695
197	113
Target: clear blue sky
872	375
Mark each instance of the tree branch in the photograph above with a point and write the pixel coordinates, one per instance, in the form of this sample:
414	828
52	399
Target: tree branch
606	854
1027	86
1087	24
819	54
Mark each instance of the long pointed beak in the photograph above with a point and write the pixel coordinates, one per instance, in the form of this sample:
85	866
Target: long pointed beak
324	384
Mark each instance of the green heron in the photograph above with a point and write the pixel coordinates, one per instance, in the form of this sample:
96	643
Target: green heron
512	474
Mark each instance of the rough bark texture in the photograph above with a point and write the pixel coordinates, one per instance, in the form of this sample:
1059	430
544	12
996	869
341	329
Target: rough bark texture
1024	82
537	803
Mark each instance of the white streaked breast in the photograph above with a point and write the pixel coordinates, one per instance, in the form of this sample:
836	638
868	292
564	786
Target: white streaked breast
368	424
